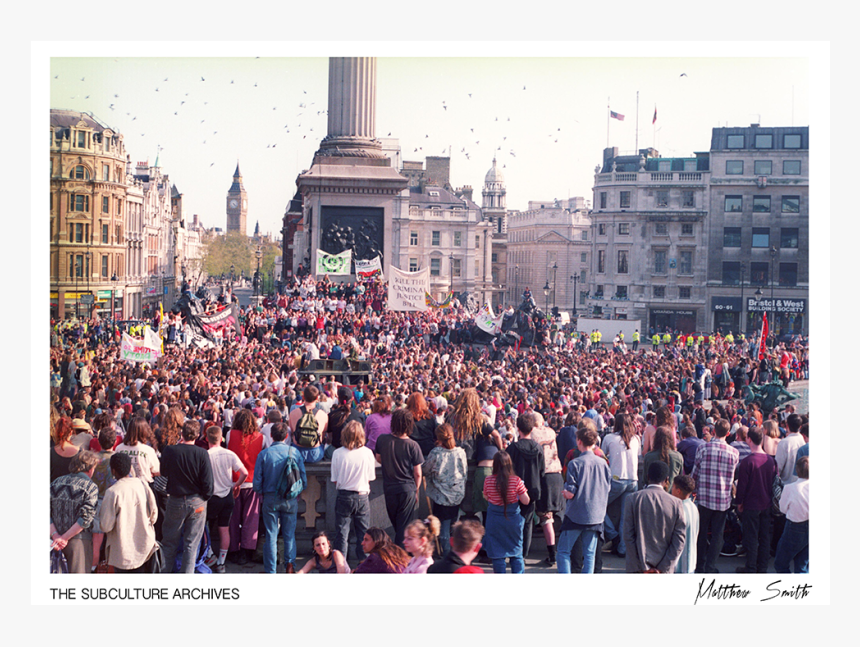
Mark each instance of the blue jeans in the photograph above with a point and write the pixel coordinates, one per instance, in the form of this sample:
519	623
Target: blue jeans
565	545
311	455
518	565
185	517
793	546
277	511
618	490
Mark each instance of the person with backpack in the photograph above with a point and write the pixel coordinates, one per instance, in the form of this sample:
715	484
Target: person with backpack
279	477
308	423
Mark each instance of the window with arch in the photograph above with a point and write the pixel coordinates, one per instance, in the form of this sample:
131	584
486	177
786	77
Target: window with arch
79	173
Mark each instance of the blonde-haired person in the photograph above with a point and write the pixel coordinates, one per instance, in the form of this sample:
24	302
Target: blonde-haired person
771	437
474	433
419	540
446	470
552	484
353	467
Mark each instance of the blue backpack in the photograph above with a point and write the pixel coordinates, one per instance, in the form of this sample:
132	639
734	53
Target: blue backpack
290	483
200	564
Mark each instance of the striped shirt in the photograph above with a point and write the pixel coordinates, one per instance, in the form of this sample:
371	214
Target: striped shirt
516	487
714	472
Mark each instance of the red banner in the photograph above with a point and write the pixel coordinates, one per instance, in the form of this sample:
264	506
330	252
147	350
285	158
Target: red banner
764	333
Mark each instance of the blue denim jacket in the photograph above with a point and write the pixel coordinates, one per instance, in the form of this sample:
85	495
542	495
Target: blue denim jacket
270	464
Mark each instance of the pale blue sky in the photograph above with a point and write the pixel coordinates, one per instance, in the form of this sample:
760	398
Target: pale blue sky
545	118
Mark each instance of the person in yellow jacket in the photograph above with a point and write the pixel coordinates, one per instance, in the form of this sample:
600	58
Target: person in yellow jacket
655	340
635	340
730	338
667	339
599	337
711	340
700	341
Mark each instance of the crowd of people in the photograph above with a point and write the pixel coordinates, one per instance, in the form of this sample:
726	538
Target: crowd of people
650	453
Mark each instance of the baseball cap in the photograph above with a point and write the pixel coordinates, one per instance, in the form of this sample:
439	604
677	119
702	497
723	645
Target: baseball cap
344	394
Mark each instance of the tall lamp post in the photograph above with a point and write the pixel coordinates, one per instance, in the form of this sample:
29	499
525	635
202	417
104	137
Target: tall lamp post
554	273
758	300
742	325
113	280
89	271
516	283
77	294
259	255
772	322
574	278
546	289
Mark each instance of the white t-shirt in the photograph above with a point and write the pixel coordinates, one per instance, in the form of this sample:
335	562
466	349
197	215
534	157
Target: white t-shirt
353	469
144	460
623	462
224	463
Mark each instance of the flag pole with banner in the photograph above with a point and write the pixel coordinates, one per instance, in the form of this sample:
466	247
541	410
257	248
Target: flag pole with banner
764	334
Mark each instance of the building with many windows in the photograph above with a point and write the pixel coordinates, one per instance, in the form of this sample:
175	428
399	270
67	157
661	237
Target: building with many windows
648	225
758	229
549	249
88	210
445	231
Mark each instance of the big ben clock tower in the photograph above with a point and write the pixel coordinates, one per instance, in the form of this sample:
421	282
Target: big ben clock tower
237	205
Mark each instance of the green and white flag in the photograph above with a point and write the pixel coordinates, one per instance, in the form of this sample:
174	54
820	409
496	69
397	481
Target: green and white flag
334	263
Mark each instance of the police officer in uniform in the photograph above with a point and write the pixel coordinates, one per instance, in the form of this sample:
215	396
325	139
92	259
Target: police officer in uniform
636	340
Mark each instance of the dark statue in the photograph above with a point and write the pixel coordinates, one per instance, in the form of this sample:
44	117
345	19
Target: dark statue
767	396
357	229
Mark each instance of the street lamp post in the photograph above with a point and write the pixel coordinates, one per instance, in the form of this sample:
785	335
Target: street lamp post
554	273
743	322
758	299
77	294
772	281
89	271
574	277
546	289
113	297
516	283
259	255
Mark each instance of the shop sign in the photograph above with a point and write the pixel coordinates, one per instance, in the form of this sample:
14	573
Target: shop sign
780	306
726	304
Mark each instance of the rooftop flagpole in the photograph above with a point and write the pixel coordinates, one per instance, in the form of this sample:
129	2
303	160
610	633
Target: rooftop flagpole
636	150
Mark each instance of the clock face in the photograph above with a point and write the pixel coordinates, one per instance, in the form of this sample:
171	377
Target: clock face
234	203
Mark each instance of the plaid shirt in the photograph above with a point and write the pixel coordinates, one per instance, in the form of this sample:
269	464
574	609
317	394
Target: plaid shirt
714	472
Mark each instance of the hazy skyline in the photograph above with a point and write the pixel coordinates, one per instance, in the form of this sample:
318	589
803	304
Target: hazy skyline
544	119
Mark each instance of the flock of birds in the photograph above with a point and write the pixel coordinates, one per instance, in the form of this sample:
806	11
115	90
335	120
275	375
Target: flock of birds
495	131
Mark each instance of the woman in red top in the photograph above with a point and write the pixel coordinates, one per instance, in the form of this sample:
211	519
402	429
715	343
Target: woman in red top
504	491
246	441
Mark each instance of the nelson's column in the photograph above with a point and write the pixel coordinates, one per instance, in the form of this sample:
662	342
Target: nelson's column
351	195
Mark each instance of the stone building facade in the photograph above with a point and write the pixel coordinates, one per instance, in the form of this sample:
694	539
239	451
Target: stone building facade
87	210
549	248
758	229
648	223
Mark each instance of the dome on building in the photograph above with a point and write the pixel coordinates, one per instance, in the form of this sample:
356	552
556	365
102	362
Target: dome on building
494	174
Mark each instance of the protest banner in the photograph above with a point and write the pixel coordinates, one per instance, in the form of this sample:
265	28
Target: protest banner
406	289
334	264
